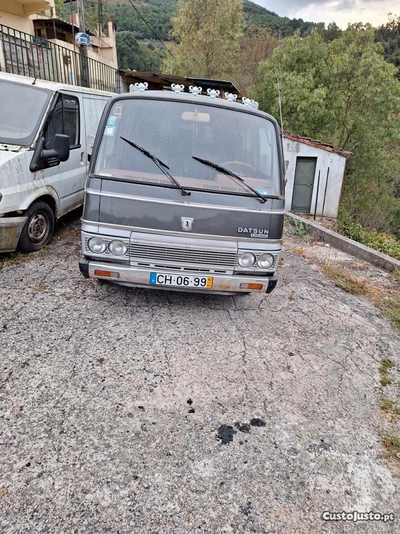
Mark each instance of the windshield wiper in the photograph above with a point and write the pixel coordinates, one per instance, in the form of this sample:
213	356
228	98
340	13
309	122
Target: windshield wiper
261	198
160	164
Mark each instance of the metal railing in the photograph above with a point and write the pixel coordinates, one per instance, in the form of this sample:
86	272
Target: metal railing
36	57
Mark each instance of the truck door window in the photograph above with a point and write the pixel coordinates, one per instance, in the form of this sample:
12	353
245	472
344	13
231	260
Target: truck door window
64	119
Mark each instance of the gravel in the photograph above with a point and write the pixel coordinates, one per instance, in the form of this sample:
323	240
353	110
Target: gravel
141	411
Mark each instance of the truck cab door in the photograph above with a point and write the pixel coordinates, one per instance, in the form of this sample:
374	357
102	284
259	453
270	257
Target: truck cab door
67	178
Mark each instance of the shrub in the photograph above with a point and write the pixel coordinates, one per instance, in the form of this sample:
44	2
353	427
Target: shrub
385	243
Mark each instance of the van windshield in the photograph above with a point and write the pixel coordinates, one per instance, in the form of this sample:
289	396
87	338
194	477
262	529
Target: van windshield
21	109
179	132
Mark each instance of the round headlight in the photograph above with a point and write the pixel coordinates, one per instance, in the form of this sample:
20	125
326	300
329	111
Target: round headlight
117	248
247	260
97	245
265	261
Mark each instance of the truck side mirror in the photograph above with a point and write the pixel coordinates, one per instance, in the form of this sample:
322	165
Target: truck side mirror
60	150
42	159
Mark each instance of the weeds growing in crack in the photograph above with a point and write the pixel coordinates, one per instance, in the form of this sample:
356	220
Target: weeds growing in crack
391	442
345	280
389	306
386	365
14	259
390	406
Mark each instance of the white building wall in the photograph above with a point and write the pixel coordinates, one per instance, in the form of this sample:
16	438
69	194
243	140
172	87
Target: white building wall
325	160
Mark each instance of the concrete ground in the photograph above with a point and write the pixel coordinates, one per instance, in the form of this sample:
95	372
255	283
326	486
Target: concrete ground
135	411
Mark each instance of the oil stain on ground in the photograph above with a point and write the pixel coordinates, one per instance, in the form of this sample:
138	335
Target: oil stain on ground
226	434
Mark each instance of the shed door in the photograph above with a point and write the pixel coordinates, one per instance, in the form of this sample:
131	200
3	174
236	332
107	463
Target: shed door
303	184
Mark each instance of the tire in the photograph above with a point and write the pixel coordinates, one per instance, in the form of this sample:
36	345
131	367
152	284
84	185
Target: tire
38	229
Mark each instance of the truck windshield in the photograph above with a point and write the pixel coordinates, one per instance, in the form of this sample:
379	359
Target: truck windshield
21	109
174	132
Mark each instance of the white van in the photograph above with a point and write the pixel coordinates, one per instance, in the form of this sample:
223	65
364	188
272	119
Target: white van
46	134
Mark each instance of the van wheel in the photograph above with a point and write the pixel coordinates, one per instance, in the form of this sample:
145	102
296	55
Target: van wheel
39	227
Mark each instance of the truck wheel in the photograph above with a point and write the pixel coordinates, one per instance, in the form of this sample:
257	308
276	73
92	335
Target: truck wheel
39	227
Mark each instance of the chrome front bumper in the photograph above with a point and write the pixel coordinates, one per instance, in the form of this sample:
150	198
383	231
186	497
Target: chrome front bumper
136	277
10	231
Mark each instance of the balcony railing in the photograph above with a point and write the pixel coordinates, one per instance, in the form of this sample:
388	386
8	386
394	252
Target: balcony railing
36	57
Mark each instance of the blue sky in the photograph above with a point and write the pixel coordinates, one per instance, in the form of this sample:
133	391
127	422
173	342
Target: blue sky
340	11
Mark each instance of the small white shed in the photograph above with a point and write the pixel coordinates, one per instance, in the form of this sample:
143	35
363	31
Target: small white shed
314	175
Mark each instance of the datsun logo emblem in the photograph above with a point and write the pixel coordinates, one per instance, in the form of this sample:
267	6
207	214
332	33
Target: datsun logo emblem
186	223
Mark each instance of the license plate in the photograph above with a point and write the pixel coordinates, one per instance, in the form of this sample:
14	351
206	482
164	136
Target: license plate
181	280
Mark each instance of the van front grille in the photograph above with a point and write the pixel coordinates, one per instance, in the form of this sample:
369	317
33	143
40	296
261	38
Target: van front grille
139	252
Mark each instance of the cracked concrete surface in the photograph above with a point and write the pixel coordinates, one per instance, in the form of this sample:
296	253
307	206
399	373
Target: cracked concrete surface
113	402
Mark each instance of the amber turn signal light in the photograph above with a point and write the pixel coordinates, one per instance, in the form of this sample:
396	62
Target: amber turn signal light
257	287
107	274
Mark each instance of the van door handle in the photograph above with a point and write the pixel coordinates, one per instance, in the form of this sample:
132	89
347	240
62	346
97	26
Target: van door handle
82	158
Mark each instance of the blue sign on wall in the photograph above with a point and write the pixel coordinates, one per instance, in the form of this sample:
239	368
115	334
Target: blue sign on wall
82	39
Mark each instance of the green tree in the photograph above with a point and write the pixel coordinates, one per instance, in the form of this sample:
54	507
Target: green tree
208	33
257	45
134	55
345	93
389	36
331	33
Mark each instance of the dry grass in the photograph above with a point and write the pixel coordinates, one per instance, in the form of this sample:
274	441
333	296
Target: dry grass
38	288
345	280
388	305
391	442
13	259
386	365
298	251
390	406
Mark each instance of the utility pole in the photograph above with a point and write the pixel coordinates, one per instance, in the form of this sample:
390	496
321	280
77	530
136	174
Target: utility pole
83	48
99	15
81	16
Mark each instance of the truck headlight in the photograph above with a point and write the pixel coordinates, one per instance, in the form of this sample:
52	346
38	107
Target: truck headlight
265	261
117	248
97	245
247	260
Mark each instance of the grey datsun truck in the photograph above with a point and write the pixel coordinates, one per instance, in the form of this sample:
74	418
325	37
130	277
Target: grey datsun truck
185	192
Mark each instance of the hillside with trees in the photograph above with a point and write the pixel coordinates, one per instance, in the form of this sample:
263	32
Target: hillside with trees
138	49
136	44
345	93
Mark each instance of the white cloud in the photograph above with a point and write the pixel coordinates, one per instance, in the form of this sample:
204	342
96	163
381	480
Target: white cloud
340	11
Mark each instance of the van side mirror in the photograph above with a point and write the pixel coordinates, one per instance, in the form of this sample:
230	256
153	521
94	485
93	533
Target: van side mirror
60	150
43	159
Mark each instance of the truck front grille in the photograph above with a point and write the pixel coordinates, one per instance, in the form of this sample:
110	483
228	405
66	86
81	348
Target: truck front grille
182	256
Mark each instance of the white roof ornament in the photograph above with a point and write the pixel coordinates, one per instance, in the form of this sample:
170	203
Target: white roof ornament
230	97
213	93
138	87
196	91
177	88
250	103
